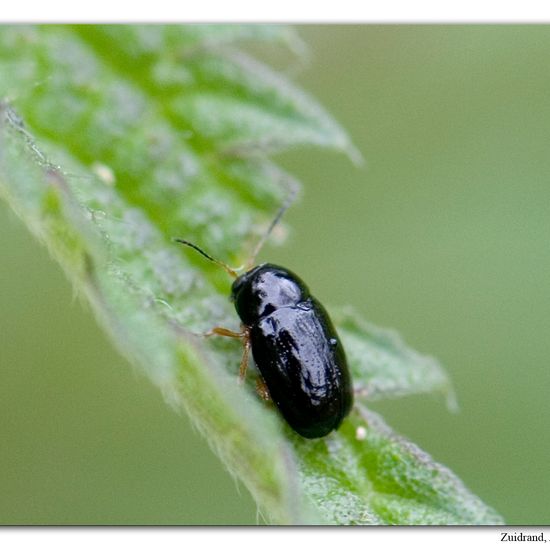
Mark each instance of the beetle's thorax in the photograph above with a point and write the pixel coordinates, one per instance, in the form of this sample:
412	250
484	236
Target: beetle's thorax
264	289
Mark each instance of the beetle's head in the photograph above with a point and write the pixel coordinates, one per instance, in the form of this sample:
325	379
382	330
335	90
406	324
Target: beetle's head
264	289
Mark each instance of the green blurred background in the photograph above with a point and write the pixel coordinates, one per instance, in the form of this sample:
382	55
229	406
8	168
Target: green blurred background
444	234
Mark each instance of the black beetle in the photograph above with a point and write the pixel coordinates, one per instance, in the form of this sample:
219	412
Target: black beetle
294	345
295	348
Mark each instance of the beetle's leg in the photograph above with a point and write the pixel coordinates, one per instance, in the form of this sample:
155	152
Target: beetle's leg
261	389
244	335
220	331
246	352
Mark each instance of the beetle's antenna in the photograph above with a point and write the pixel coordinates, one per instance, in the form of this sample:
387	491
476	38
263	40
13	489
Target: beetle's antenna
230	270
290	199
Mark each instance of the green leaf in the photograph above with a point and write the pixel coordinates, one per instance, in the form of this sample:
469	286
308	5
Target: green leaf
114	140
366	474
383	366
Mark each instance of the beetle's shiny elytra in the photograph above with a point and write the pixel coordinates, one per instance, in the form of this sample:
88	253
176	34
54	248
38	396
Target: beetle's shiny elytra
295	348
